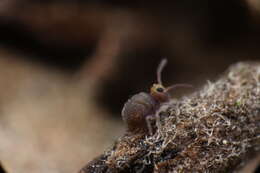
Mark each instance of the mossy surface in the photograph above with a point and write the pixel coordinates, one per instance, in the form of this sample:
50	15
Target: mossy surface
212	130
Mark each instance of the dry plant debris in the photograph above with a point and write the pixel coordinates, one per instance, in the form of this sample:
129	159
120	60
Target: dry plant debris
213	130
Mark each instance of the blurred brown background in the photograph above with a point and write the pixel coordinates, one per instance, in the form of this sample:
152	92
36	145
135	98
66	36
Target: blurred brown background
68	66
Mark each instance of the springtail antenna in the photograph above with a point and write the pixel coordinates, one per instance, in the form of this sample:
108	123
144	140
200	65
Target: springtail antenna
178	85
159	70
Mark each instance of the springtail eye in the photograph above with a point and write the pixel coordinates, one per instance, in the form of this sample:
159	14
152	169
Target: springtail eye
160	90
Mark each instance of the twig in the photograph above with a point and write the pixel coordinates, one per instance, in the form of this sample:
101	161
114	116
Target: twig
216	129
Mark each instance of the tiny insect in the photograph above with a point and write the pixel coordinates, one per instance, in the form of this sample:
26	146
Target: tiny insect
141	108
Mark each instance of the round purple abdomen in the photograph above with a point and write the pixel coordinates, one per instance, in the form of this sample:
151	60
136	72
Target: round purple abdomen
136	109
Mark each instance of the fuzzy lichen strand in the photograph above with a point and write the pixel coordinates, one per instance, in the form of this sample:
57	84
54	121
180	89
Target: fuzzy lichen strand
212	130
